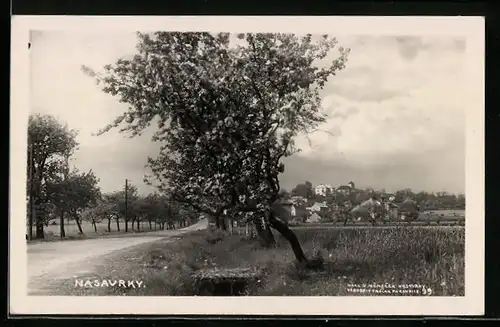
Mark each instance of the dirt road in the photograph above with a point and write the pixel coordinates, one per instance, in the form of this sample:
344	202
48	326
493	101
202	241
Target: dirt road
52	261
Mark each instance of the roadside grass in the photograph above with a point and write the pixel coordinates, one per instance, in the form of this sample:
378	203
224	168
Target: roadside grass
431	257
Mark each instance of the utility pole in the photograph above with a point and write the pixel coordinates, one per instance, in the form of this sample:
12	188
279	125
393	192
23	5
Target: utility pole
126	205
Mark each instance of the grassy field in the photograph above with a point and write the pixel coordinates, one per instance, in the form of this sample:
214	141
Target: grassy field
446	212
361	224
430	257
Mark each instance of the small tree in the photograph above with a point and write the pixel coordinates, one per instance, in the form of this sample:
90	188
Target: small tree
116	201
107	209
94	215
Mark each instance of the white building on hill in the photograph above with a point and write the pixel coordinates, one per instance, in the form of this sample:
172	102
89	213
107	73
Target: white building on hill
322	189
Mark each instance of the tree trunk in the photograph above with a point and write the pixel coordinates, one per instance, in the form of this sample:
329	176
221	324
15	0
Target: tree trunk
79	225
117	223
346	219
126	225
109	224
39	228
30	231
138	228
38	222
30	214
290	236
95	225
150	225
62	232
264	232
222	223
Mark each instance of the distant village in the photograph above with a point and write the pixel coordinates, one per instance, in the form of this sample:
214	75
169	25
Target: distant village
326	203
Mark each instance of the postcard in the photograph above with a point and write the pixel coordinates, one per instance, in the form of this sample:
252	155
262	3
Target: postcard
225	165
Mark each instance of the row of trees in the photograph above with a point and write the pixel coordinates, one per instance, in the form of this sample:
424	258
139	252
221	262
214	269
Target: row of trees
56	191
227	114
156	209
426	200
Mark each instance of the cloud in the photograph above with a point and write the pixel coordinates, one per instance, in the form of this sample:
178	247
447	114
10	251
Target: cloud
396	113
409	46
397	98
60	88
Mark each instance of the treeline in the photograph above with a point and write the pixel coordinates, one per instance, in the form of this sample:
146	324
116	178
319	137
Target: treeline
158	210
58	191
426	200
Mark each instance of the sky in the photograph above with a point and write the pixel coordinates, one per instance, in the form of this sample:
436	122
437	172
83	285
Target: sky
395	114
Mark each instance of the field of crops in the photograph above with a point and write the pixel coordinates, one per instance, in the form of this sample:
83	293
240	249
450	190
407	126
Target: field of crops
430	257
417	223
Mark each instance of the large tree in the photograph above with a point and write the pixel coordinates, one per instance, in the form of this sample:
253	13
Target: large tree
227	114
50	143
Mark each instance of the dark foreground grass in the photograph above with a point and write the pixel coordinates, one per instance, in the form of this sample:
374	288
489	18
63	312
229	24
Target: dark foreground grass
433	258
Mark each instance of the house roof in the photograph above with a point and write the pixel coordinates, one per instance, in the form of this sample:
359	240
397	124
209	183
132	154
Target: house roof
314	216
368	204
299	210
319	204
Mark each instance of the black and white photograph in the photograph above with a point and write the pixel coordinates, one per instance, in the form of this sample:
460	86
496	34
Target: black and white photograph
305	168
